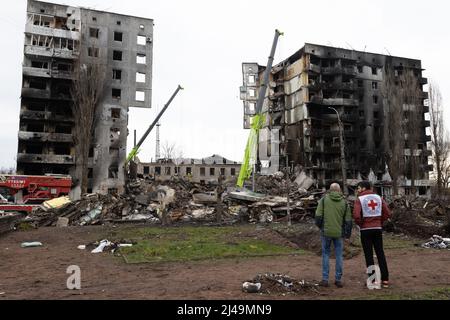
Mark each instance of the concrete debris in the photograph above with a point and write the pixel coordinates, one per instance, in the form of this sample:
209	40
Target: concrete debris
106	245
271	283
437	242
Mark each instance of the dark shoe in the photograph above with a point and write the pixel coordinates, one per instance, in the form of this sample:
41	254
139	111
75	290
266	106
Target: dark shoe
339	284
324	283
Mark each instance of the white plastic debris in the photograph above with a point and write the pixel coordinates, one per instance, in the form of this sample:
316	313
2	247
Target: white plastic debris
437	242
125	245
251	287
102	245
81	247
31	244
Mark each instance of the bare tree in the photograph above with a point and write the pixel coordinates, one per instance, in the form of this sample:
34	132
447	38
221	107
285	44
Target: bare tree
393	132
168	150
10	170
87	90
412	105
439	138
177	159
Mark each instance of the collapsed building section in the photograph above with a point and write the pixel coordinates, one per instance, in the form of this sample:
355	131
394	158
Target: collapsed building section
57	39
305	93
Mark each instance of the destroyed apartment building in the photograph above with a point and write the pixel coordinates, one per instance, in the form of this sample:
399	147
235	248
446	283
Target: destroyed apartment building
57	38
301	129
195	170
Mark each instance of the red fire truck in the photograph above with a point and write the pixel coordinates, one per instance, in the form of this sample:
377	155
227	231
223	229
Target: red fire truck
23	193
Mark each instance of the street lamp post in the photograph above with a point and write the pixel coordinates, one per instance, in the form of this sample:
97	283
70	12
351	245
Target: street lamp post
341	142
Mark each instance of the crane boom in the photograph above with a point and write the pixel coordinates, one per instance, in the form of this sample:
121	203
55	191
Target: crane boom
135	150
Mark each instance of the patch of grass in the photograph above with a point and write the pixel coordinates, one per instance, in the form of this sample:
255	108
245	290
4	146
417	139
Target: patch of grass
441	293
196	243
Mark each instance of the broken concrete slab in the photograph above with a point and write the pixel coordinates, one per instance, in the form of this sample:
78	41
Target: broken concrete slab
62	222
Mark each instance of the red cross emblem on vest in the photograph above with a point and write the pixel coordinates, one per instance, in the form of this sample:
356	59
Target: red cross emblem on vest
372	204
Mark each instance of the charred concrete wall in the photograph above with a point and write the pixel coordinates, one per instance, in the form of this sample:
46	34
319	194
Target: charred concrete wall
305	132
56	37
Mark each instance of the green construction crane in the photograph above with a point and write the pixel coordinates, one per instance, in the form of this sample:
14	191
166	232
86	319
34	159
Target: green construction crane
257	121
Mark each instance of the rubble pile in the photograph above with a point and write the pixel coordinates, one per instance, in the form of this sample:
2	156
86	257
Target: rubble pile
437	242
419	217
7	221
271	283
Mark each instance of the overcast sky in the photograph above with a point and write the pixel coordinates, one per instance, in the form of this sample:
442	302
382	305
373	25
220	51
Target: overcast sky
201	44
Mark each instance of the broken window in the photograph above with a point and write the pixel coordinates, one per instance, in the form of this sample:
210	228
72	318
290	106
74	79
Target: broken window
361	113
251	107
361	98
360	69
113	172
167	171
141	40
115	113
117	55
119	23
140	77
116	93
188	170
141	27
146	170
62	150
90	173
202	171
222	171
118	36
374	70
375	99
360	83
117	74
140	96
91	152
66	129
64	67
251	79
251	92
36	107
35	127
375	114
374	85
177	170
38	84
233	171
39	64
93	52
93	32
140	58
212	171
94	18
34	149
158	171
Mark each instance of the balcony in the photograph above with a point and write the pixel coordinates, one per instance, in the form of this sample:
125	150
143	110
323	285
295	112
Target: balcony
35	93
52	32
45	158
45	115
331	166
427	138
45	137
50	52
340	70
339	86
313	67
423	81
426	123
36	72
340	102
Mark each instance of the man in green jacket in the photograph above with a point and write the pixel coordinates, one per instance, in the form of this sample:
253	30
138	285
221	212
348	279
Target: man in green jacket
334	218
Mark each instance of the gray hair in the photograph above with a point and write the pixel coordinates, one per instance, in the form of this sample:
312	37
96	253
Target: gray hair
335	187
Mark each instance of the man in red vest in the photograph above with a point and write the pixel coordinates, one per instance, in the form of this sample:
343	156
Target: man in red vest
370	212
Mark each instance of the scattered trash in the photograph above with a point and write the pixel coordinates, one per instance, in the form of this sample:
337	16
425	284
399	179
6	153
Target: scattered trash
81	247
271	283
103	244
437	242
31	244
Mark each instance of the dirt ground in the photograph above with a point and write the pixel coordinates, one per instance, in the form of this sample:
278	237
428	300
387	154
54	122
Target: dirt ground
40	273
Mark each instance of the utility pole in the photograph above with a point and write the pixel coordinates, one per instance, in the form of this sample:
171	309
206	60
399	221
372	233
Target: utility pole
341	142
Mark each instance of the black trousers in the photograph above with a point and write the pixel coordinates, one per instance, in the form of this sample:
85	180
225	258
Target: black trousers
373	239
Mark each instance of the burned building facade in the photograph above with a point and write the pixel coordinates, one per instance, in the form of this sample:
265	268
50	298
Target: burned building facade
309	91
57	38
